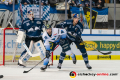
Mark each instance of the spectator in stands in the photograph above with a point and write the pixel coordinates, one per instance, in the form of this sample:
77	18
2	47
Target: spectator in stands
111	1
100	4
25	2
8	2
84	3
43	2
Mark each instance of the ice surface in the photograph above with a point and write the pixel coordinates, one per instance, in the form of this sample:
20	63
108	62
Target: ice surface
13	72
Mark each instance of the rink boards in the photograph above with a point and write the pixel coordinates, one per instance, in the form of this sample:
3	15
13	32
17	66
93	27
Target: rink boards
103	42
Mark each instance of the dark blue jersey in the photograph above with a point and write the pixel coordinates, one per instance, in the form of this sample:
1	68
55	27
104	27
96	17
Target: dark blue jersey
33	28
72	30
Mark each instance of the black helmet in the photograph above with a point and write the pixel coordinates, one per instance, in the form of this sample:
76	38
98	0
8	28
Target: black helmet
47	26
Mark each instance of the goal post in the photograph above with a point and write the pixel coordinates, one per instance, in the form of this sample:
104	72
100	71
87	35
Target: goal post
6	56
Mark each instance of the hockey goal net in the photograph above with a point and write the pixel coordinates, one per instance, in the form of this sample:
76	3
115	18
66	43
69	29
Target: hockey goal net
9	47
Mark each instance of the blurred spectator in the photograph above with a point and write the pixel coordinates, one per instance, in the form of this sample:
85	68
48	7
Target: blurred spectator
111	1
8	2
43	2
25	2
84	3
71	2
100	4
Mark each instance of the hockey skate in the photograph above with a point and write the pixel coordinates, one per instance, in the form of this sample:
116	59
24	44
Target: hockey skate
59	66
43	68
74	60
21	65
88	66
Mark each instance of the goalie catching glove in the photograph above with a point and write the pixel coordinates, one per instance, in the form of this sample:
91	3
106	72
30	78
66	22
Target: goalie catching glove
21	37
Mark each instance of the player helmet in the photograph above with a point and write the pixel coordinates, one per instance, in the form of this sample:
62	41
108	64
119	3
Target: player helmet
30	14
47	26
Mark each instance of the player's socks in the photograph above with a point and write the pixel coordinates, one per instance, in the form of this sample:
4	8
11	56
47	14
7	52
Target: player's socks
62	56
74	58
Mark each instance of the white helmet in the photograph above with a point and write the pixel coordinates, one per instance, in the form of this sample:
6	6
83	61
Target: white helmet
30	14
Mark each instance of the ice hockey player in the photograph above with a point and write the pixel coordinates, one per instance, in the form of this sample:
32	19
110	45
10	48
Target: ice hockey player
74	30
57	37
33	29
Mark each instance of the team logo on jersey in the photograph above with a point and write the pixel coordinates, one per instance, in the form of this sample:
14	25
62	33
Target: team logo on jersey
72	74
38	22
45	37
37	28
31	29
55	34
27	24
38	44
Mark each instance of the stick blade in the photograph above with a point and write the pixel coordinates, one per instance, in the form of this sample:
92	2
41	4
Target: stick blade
25	71
106	53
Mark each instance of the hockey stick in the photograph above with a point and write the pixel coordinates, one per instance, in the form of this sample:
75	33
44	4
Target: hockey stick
14	54
34	66
95	48
38	63
98	50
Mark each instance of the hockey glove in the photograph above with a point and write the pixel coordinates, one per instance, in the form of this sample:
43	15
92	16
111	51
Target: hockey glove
47	54
78	39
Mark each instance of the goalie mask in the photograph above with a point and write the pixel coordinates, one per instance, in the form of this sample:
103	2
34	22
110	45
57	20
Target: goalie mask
30	15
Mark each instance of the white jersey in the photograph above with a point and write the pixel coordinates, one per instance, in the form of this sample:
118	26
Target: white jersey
57	34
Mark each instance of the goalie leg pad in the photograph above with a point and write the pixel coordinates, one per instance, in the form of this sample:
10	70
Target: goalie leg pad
25	56
40	48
